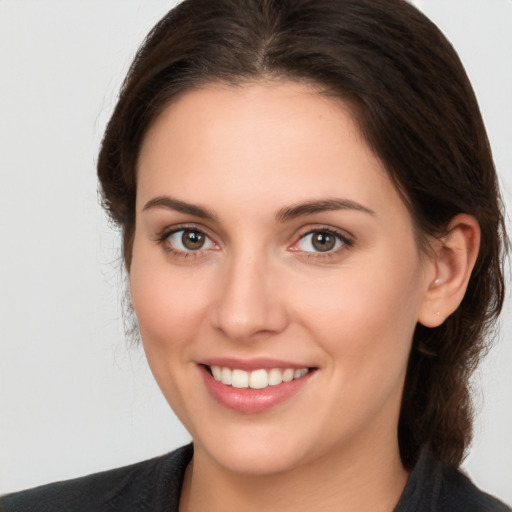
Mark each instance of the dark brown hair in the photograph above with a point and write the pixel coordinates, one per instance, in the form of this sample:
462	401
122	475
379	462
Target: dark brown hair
416	108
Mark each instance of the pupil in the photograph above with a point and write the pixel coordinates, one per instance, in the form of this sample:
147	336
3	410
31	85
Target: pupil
323	242
192	240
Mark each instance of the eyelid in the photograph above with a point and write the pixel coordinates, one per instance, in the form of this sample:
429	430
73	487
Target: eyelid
346	238
178	244
191	226
164	235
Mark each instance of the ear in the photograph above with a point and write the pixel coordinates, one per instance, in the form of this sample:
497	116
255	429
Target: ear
453	258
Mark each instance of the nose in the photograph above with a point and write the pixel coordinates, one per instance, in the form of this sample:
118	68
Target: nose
249	304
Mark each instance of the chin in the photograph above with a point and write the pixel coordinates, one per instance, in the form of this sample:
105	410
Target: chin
251	454
254	461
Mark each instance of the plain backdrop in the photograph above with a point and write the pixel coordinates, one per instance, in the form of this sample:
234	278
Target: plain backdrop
74	399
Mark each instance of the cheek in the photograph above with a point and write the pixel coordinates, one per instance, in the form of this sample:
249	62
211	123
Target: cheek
167	304
170	311
364	319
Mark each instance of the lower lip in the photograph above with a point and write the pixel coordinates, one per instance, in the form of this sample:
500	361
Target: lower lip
249	400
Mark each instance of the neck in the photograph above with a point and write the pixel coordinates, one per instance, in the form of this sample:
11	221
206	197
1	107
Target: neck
341	482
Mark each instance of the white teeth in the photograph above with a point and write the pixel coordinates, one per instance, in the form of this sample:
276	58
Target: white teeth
288	375
239	378
217	373
226	376
275	377
257	379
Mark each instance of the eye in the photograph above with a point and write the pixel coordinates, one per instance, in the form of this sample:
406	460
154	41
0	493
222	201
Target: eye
321	241
187	240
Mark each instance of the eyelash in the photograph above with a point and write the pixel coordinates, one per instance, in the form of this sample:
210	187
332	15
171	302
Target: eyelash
163	240
346	242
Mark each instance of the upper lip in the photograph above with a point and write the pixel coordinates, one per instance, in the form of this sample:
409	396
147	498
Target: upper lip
260	363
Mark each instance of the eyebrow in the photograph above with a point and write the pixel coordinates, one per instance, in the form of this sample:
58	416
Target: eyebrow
323	205
180	206
283	215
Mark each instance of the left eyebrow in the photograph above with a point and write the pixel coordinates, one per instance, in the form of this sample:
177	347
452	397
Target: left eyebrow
317	206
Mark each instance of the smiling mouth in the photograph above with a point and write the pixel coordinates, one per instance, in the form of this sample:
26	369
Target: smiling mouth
256	379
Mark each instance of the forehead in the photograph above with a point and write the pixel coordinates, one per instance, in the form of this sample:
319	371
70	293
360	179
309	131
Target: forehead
279	141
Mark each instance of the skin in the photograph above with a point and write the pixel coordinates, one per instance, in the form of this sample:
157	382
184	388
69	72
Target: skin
259	288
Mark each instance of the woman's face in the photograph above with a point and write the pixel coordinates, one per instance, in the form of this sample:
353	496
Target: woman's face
271	245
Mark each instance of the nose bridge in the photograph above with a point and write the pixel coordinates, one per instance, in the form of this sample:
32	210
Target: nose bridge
248	302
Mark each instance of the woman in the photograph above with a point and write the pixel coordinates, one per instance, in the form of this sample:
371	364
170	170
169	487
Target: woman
312	233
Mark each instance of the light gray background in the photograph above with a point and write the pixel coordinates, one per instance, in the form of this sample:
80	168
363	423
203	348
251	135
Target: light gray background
73	398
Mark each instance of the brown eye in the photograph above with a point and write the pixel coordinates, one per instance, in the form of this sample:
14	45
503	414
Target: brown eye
189	240
323	241
192	240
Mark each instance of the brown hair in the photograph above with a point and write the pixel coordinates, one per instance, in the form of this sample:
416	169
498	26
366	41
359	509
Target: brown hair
417	110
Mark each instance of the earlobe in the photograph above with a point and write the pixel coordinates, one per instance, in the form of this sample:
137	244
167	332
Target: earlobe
454	257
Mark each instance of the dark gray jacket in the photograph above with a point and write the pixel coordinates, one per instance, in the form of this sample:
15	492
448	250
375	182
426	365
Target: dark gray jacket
154	486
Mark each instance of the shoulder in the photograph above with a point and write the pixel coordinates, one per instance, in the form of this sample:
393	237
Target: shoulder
151	485
436	487
458	492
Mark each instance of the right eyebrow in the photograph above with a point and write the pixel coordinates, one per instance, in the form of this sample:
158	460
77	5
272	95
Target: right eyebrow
180	206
